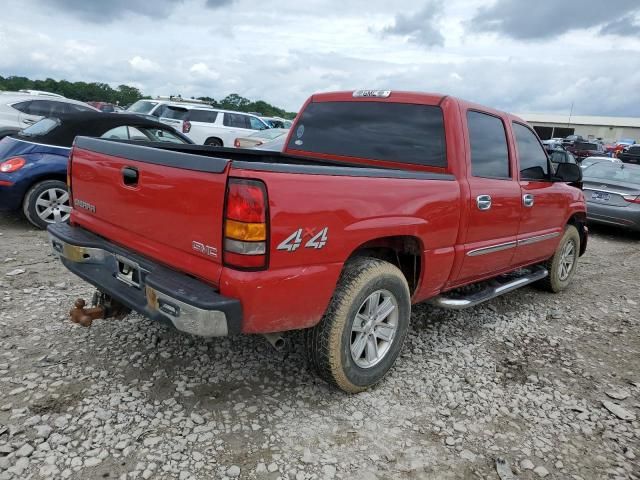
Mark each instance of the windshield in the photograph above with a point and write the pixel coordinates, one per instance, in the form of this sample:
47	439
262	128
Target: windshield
270	134
613	172
142	106
40	128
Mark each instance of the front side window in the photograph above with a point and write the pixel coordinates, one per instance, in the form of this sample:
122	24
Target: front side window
256	124
73	108
533	159
387	131
488	141
235	120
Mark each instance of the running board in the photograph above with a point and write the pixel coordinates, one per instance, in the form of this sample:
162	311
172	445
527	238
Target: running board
494	288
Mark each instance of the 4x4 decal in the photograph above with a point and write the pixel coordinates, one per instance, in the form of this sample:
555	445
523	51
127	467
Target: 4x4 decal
293	241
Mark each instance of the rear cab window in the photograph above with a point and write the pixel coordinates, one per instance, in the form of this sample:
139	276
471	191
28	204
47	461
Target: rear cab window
393	132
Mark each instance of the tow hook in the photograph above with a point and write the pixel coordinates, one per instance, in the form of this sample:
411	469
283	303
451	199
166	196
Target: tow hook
103	307
85	316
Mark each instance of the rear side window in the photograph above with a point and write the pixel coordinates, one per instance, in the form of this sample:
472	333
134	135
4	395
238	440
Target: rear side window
176	113
488	140
73	108
533	159
394	132
204	116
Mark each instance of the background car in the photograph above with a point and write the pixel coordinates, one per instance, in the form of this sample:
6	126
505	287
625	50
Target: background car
262	138
586	149
274	122
630	154
552	144
612	191
105	107
152	106
18	110
587	162
209	126
617	147
33	163
571	139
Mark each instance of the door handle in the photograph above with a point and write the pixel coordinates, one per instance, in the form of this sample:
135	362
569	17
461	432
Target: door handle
527	200
483	202
130	176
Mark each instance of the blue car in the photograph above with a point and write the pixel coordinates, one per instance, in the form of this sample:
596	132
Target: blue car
33	163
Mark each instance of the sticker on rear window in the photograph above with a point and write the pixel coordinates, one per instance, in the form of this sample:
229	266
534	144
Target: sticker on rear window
300	131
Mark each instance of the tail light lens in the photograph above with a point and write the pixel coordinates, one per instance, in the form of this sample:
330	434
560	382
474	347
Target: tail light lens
246	224
632	198
186	126
12	164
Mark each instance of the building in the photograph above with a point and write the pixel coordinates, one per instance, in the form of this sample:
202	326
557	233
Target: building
605	128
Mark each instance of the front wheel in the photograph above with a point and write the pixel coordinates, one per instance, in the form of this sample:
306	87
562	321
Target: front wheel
46	203
562	266
360	336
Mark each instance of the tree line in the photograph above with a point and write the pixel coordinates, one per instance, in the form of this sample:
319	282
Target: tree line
125	95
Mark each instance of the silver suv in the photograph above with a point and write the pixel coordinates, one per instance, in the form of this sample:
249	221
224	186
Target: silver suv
18	110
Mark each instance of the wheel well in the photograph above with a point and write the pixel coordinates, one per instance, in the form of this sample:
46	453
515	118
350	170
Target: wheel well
579	220
215	138
43	178
403	251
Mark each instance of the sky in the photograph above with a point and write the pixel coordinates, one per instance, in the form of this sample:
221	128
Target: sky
515	55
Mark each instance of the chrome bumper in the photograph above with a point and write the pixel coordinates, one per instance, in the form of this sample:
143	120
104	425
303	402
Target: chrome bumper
151	289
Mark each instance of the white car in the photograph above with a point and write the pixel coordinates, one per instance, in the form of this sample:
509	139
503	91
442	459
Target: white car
208	125
18	110
153	106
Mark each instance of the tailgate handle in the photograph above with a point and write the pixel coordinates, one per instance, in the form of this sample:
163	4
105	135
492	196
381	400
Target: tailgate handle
130	175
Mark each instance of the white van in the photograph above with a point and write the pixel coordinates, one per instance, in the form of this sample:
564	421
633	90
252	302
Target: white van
209	126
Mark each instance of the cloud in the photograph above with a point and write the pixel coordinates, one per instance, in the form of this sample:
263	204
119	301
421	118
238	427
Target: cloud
625	26
143	65
218	3
110	10
201	69
545	19
420	27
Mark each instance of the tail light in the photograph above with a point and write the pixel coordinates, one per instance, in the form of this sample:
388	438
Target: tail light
12	164
246	224
236	143
632	198
186	126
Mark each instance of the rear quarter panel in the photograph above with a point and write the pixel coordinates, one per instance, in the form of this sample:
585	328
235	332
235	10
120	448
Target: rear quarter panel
298	285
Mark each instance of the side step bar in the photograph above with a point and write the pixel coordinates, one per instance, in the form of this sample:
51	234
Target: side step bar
494	288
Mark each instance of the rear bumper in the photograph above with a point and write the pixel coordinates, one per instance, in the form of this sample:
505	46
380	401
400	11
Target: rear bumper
157	292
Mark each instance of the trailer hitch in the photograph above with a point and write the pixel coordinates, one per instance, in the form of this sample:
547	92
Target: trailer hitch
103	307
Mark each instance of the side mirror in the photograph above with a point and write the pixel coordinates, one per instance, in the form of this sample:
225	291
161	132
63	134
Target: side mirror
569	173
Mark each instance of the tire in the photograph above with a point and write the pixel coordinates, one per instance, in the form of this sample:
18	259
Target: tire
213	142
46	203
329	344
558	278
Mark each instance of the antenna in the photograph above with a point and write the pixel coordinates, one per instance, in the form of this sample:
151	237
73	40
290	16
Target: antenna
570	114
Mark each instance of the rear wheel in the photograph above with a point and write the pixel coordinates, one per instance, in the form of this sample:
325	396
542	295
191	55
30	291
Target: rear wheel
46	203
213	142
360	336
562	266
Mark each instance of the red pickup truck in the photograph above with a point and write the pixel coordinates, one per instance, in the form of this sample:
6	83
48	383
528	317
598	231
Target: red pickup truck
380	200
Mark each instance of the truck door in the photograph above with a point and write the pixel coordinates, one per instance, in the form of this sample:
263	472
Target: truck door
544	206
494	202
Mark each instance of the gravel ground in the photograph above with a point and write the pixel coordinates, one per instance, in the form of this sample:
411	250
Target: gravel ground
527	386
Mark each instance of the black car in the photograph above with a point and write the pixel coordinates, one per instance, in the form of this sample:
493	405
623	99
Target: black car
571	139
630	154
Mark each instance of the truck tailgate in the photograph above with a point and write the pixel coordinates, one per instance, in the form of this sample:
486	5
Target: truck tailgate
165	205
